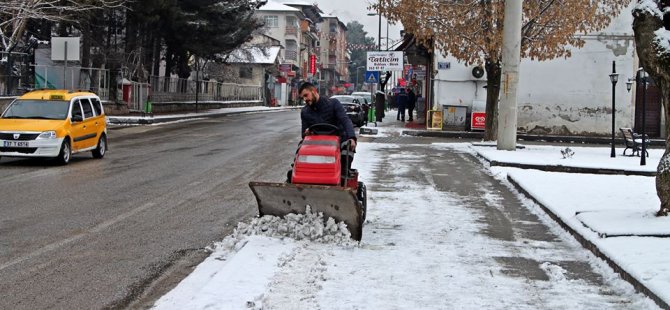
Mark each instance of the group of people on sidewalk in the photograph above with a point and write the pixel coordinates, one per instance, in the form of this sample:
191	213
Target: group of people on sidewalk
405	101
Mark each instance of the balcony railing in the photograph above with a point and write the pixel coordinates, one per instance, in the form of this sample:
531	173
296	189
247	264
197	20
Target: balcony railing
291	55
290	30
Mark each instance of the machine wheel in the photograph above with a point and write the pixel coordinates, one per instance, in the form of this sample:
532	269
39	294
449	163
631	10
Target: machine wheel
289	174
362	196
65	153
100	151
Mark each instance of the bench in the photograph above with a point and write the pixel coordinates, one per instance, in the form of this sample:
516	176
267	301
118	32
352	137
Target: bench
633	141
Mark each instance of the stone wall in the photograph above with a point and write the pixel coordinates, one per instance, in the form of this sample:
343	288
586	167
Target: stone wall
180	107
114	108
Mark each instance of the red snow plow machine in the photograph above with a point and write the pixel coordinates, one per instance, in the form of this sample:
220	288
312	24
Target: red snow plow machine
319	180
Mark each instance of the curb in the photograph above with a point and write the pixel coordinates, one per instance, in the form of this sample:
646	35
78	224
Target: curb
524	137
569	169
593	248
123	120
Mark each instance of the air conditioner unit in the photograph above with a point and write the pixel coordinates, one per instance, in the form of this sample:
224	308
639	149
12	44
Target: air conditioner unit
478	72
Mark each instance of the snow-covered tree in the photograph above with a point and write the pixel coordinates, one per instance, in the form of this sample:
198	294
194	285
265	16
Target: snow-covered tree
651	25
471	31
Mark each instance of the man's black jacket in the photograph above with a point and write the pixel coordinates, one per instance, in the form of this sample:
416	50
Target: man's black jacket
328	111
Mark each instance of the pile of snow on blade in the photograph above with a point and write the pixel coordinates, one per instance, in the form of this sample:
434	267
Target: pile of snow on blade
309	226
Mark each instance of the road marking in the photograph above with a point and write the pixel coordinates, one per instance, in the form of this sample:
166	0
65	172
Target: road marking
94	229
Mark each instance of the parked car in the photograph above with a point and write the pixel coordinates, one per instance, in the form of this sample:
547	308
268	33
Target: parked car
53	124
367	95
353	105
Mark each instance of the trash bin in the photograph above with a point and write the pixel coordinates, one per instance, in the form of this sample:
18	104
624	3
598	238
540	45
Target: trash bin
454	117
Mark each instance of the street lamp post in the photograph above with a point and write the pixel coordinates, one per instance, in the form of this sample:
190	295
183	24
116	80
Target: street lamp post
614	77
379	32
357	75
643	76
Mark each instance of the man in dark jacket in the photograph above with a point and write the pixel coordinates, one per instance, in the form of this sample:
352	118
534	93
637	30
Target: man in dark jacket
319	110
411	103
403	100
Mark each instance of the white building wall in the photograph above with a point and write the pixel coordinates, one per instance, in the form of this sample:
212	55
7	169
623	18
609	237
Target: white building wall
279	32
561	96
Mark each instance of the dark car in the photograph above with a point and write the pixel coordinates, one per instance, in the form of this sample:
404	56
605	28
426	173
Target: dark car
353	105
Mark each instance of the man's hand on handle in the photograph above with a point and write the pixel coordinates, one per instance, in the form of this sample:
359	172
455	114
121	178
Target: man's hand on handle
352	145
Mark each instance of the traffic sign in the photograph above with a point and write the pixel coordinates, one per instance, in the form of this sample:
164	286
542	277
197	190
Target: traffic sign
372	76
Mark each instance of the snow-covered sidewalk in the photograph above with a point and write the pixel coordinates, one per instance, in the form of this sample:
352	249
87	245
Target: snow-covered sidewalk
616	213
423	247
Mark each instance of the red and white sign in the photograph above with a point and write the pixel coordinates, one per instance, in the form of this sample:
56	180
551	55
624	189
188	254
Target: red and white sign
312	64
478	121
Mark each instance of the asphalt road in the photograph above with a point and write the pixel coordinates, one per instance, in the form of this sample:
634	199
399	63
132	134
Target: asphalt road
116	232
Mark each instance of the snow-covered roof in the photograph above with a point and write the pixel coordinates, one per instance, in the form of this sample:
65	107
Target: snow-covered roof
297	2
255	55
277	7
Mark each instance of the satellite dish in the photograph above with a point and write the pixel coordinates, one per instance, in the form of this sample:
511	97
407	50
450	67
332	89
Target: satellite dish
478	72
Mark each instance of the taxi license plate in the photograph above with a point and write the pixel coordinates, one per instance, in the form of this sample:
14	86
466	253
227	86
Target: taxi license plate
15	143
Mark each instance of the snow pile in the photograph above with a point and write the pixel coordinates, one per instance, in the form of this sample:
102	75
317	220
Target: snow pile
662	40
309	226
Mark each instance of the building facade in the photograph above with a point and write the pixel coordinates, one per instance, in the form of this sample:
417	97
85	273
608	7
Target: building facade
570	96
334	56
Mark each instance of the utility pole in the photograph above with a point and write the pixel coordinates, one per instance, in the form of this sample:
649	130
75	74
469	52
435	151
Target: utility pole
379	40
511	58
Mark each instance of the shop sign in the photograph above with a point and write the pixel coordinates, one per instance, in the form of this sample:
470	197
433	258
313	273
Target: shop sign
478	121
384	61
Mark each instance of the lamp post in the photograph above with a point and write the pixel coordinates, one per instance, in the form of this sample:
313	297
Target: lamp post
357	75
614	77
643	76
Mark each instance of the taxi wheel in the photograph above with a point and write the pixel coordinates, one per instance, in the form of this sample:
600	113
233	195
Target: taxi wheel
65	153
100	151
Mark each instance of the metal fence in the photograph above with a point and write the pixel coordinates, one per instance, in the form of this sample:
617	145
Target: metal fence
11	85
96	80
166	89
53	77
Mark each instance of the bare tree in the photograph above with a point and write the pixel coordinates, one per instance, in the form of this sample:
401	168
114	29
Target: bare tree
15	15
651	25
471	31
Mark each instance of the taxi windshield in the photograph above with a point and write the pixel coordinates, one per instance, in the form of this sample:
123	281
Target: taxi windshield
37	109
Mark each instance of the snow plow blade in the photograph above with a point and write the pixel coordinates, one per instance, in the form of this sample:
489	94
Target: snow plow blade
280	199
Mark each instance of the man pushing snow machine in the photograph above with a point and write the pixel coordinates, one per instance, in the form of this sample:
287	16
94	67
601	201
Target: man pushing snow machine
317	180
321	176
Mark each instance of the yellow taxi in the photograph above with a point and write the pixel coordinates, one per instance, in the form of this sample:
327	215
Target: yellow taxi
53	124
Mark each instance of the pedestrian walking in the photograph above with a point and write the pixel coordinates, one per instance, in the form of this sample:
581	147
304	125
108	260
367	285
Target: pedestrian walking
411	103
402	101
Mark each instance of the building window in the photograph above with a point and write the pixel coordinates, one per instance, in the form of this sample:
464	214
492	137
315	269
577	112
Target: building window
271	21
291	21
246	72
291	52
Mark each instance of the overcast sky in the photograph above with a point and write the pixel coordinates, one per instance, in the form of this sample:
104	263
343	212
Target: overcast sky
350	10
